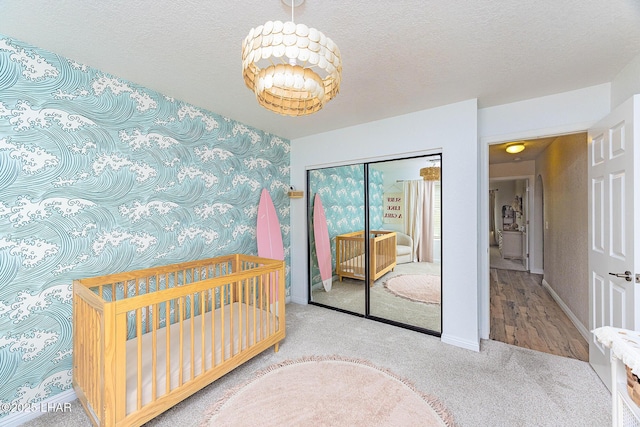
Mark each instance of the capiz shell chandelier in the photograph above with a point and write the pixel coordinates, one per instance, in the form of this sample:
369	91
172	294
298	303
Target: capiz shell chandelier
293	69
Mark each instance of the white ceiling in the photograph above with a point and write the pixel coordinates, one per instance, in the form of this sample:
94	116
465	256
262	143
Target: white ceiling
398	57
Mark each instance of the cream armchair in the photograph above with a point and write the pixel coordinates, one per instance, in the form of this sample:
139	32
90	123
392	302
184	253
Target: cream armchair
404	248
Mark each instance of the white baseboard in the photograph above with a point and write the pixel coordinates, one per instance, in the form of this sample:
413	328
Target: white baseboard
54	404
299	300
469	345
578	324
536	271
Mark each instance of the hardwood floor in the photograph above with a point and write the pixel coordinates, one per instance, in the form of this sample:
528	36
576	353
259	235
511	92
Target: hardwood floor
524	314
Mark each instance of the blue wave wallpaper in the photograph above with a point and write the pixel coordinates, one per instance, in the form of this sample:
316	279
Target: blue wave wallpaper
99	175
341	191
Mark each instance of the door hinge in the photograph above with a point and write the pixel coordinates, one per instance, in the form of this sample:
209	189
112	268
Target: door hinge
637	278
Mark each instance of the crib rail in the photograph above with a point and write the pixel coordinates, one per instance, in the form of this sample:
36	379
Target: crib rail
350	259
167	332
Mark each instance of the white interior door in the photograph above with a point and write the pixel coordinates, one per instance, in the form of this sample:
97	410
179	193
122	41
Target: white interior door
613	239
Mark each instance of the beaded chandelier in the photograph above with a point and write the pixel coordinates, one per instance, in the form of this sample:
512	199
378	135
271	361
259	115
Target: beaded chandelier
294	70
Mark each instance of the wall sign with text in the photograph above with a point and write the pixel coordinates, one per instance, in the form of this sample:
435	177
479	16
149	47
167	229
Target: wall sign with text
393	208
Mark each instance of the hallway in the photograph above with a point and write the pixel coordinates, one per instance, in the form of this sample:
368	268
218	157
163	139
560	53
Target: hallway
524	314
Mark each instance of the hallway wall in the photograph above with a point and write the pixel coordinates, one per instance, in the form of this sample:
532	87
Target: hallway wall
563	168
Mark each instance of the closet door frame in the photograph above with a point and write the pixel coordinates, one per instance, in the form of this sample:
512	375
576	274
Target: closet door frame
367	296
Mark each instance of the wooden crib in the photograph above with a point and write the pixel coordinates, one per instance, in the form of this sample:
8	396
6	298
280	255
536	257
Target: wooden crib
145	340
350	260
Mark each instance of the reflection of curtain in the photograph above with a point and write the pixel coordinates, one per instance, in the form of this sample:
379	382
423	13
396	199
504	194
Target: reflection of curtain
418	222
492	218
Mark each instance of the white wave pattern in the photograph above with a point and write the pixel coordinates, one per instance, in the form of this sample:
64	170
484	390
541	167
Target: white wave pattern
243	179
241	230
188	110
251	211
115	238
30	344
193	172
142	171
26	303
35	67
59	380
275	184
279	142
144	210
171	163
102	83
63	268
32	251
191	233
84	232
209	210
284	211
207	154
24	117
253	163
84	148
77	66
27	210
59	94
62	354
241	129
34	159
285	170
136	139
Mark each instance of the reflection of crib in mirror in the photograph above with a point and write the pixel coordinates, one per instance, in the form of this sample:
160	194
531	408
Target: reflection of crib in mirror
350	260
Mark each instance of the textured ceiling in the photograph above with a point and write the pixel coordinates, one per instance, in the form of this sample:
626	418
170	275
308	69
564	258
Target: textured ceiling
398	57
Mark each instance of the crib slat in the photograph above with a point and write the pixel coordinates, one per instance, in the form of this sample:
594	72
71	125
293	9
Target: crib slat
202	331
231	321
261	294
181	334
154	353
139	339
167	325
148	325
192	332
253	302
222	321
246	310
213	327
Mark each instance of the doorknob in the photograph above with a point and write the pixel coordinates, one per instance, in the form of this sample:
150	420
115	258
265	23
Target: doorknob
626	275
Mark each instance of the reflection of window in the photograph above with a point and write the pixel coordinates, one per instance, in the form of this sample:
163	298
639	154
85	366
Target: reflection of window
436	211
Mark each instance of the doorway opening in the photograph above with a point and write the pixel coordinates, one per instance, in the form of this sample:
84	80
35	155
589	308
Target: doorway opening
540	302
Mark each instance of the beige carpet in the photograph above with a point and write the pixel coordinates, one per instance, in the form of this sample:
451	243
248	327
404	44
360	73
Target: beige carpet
327	391
414	287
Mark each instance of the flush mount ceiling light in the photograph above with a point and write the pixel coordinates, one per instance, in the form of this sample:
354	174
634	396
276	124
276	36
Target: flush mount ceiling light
293	69
515	148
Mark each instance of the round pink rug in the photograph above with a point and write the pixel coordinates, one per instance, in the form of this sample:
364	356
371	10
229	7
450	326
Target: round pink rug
416	287
327	391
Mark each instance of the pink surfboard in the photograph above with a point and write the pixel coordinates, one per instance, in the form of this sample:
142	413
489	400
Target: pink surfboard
268	235
323	245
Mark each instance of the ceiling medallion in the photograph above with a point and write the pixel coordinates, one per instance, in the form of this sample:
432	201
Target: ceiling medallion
293	70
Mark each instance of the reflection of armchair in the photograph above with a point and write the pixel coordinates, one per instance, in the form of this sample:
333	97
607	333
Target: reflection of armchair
404	248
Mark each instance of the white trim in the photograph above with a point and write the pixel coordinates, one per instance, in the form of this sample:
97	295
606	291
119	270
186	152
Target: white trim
578	324
375	159
539	133
18	418
469	345
298	300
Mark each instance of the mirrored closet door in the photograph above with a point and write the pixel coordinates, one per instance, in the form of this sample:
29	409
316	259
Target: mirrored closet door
395	274
336	217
